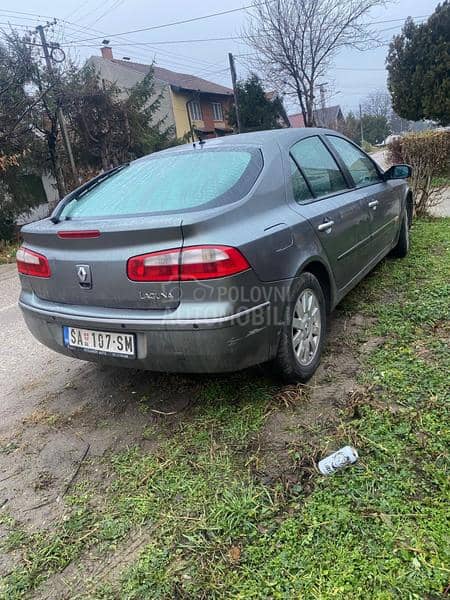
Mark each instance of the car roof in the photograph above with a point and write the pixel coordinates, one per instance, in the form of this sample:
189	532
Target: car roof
284	137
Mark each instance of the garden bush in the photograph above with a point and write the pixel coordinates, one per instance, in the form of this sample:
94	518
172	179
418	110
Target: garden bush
428	153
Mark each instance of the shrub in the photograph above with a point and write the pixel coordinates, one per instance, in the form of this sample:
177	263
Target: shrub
428	153
8	227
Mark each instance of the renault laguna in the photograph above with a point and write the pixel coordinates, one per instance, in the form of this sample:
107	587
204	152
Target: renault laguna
213	256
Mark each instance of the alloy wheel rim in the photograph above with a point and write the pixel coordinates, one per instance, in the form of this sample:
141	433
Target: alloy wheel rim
306	327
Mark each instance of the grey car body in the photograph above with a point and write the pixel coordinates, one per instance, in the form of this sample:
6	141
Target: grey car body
227	323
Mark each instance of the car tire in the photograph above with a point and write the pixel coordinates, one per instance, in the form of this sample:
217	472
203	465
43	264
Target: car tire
303	331
401	249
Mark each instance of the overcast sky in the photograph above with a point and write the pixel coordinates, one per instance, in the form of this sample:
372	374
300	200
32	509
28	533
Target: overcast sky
353	76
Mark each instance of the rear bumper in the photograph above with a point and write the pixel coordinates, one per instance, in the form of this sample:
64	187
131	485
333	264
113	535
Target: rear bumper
201	345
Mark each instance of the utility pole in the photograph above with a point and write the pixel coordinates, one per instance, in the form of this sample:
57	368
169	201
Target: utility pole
60	114
235	91
361	124
322	95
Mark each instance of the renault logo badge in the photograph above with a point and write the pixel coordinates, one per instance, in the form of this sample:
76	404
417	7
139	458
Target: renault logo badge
84	276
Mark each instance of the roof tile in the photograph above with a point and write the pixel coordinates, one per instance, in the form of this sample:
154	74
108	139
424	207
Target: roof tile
181	80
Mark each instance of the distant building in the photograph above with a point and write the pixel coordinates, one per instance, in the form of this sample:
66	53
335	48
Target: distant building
188	103
329	116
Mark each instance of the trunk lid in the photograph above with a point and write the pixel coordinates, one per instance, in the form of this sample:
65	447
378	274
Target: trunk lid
93	271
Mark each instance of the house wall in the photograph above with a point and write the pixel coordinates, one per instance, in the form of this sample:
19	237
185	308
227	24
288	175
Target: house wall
51	191
179	100
207	110
41	211
179	104
173	101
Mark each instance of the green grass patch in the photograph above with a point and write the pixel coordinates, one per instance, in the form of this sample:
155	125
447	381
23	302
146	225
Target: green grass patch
7	252
441	180
377	530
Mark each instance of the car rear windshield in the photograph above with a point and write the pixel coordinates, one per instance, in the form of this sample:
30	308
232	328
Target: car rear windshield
176	181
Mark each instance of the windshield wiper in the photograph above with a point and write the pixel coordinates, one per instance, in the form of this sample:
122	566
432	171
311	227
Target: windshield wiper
79	192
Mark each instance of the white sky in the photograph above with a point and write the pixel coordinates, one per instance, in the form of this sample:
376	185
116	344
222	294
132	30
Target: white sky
353	76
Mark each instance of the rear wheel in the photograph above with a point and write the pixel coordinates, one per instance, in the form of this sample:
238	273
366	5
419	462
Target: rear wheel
303	331
402	247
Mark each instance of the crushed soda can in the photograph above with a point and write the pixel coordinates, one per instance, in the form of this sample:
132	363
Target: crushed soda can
339	459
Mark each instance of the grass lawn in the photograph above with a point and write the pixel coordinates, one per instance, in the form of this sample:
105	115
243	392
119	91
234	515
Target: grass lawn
212	528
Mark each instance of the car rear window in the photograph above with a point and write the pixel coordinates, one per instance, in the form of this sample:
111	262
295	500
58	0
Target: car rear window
175	181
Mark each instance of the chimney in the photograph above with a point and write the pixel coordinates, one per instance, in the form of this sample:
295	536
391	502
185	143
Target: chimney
107	52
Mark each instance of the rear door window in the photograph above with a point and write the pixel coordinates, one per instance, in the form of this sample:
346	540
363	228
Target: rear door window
173	181
299	186
361	168
319	167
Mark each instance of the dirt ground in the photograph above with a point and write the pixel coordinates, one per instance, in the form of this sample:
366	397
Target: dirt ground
65	407
60	416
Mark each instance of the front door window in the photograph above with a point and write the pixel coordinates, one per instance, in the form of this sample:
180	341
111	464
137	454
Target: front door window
361	168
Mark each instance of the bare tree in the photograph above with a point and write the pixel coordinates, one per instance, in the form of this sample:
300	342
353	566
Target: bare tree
378	104
297	40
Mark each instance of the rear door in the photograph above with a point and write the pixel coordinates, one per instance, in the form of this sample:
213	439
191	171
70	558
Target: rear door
377	196
322	195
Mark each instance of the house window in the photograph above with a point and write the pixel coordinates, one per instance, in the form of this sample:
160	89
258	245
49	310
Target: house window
217	111
195	110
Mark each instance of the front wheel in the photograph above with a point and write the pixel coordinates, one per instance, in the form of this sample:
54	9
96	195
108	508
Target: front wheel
303	330
401	249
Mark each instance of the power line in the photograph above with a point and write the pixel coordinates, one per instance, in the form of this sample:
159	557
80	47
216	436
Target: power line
19	25
113	6
217	14
75	27
180	59
217	39
77	8
207	68
97	7
83	28
164	42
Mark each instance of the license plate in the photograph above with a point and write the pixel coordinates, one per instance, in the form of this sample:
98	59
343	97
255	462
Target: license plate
100	342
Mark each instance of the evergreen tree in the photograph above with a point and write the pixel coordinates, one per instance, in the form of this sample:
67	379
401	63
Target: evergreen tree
375	128
21	151
257	111
110	126
418	65
351	127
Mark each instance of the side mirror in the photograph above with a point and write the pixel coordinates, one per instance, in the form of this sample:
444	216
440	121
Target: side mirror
398	172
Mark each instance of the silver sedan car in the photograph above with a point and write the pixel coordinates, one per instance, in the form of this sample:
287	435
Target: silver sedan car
213	256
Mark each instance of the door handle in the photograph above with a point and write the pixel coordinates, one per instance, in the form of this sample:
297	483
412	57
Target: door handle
373	204
326	226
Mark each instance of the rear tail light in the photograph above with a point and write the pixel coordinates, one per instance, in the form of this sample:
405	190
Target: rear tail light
156	266
32	263
208	262
185	264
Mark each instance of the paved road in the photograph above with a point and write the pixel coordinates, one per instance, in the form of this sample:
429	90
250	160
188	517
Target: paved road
25	365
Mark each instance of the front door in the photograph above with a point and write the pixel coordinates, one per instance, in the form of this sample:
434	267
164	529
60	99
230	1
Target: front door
379	197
